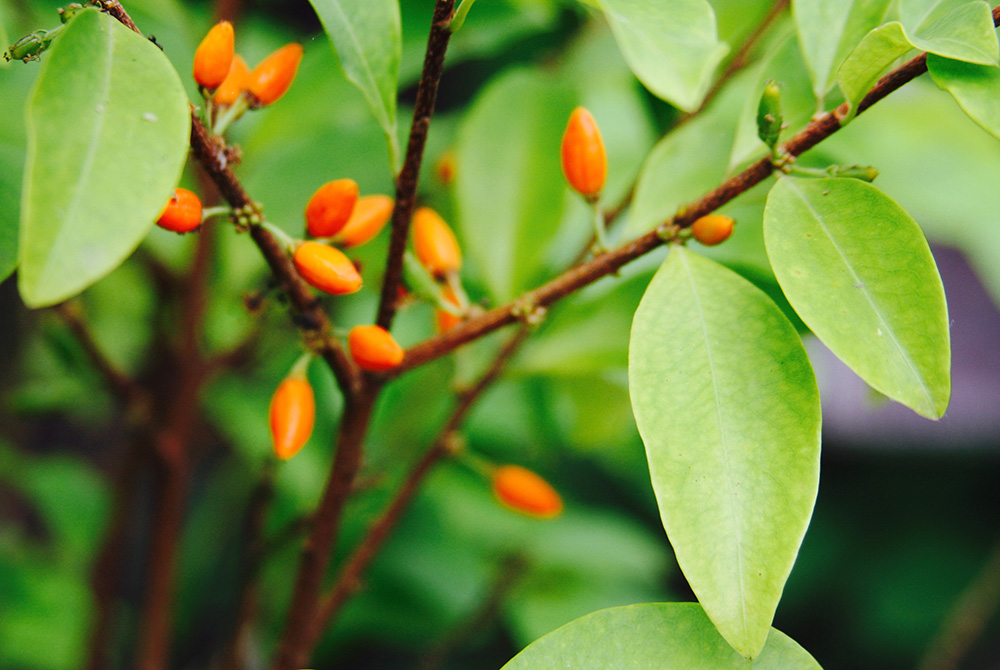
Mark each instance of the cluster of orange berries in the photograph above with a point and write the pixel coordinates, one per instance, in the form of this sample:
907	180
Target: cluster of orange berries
227	82
585	164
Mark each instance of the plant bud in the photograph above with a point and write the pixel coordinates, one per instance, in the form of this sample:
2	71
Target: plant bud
371	213
292	415
330	207
214	56
326	268
234	84
272	77
583	159
182	213
524	491
374	349
712	229
435	243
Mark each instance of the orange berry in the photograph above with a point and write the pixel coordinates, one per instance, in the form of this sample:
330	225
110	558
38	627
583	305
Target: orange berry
292	414
374	349
371	213
272	77
583	159
326	268
524	491
214	56
446	167
182	213
444	319
712	229
435	243
234	84
330	207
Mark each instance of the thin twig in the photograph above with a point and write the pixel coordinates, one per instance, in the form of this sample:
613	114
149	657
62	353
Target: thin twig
409	176
123	387
972	610
349	578
611	261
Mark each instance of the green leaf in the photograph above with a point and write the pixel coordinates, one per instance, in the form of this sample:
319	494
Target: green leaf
727	406
671	47
366	35
876	52
828	31
960	30
858	270
108	127
653	636
509	186
686	163
976	88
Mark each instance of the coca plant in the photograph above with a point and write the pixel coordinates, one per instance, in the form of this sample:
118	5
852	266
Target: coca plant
757	105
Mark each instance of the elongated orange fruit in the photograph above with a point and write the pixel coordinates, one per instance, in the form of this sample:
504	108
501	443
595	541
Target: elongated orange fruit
374	349
272	77
583	159
292	415
330	207
435	244
371	213
712	229
214	56
234	84
326	268
524	491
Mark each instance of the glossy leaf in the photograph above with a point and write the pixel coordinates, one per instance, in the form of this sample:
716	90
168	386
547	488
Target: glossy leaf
964	32
686	163
858	270
828	31
976	88
653	636
727	406
509	186
671	47
866	63
366	35
108	126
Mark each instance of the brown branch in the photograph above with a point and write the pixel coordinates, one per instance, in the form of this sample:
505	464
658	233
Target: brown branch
610	262
406	182
293	650
349	578
123	387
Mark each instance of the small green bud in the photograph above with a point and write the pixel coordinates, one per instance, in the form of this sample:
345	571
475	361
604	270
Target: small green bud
862	172
69	11
769	117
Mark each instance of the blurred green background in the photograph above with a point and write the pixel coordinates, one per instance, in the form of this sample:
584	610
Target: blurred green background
906	518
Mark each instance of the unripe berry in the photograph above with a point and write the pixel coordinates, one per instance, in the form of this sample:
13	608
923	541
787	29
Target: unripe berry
444	319
292	414
435	243
374	349
182	213
371	213
326	268
214	56
583	159
330	207
712	229
235	83
272	77
524	491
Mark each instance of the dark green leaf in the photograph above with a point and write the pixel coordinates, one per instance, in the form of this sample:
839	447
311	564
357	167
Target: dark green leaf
108	127
367	37
858	270
727	406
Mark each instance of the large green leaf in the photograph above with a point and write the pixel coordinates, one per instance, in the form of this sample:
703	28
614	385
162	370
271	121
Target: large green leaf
671	47
828	31
653	636
858	270
727	406
509	186
953	29
367	37
108	127
975	87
